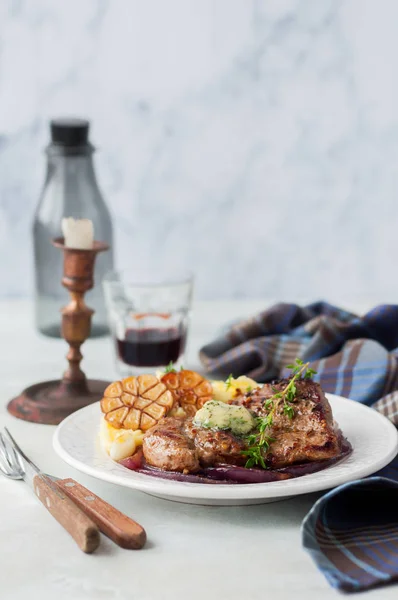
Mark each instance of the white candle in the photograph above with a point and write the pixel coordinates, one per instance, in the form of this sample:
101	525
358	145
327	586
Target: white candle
78	233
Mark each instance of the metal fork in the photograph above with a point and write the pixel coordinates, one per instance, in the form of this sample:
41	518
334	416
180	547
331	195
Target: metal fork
16	465
73	505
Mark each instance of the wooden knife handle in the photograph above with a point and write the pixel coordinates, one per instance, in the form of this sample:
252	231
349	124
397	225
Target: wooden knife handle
117	526
68	514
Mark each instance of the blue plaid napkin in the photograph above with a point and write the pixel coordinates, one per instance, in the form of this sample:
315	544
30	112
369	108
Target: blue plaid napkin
355	357
352	531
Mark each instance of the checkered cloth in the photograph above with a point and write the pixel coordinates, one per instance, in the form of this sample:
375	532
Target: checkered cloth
351	532
355	357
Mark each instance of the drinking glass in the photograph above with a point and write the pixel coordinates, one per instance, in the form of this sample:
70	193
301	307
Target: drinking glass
148	316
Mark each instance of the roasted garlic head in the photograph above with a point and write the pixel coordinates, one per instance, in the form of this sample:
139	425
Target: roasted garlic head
190	391
136	402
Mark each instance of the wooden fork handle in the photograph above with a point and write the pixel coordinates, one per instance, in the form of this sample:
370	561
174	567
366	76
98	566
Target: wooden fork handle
83	530
117	526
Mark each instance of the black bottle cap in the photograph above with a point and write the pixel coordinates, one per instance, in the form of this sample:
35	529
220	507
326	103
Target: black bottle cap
69	132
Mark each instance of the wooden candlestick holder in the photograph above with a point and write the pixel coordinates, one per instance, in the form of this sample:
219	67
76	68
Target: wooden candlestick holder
51	401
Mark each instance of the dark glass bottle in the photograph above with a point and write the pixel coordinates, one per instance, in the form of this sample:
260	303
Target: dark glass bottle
70	190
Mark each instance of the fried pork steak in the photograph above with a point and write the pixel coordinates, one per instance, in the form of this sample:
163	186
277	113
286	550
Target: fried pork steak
176	445
309	436
167	447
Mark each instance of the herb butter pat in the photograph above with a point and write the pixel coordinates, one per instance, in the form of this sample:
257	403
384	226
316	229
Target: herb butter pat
218	415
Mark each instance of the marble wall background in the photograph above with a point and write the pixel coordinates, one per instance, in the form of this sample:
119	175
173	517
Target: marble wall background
253	140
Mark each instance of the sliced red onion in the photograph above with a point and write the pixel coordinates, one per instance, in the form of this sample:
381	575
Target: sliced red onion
243	475
177	476
233	474
135	462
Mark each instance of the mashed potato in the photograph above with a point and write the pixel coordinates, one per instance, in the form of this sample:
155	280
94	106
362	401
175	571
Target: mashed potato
119	443
226	391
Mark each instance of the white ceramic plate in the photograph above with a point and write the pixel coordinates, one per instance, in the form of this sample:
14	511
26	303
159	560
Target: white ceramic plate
373	437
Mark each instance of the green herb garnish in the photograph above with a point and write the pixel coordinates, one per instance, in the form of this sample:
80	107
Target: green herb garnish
259	443
228	381
170	368
288	410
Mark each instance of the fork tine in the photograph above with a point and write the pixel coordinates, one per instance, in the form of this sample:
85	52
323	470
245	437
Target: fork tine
10	460
8	442
2	455
5	452
18	460
4	462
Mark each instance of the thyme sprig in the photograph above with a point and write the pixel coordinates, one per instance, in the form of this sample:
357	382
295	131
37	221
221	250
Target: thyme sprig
259	442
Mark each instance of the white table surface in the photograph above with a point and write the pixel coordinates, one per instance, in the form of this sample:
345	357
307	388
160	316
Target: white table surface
193	552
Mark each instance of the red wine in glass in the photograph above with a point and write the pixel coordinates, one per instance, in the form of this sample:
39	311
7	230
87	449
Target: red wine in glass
151	347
